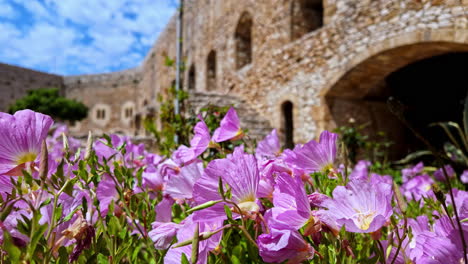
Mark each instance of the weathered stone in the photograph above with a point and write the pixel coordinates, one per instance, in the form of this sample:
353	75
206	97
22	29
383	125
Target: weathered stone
359	43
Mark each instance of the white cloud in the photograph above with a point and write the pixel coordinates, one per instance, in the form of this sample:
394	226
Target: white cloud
82	36
6	10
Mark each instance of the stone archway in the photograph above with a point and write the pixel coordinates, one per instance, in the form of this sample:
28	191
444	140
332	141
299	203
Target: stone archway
362	91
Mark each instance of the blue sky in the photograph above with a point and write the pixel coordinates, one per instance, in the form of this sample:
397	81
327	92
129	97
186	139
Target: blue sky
71	37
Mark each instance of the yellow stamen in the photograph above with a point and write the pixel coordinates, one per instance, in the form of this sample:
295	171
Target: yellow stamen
26	157
365	220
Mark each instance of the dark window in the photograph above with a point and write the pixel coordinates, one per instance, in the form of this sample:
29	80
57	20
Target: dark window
306	16
100	114
243	39
211	71
191	78
128	112
288	124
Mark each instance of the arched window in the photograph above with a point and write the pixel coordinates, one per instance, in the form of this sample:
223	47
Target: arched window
100	114
211	71
243	40
306	16
288	124
191	78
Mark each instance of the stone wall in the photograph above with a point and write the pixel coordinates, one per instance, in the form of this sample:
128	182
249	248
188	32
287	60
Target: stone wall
258	127
16	81
112	100
336	60
323	73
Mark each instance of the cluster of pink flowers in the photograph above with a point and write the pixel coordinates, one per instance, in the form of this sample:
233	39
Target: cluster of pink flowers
295	199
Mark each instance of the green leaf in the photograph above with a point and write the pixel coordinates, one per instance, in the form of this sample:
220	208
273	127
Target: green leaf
69	186
113	225
6	212
46	202
412	156
101	259
28	178
221	188
228	212
203	206
71	214
36	237
63	255
184	259
14	253
235	260
195	244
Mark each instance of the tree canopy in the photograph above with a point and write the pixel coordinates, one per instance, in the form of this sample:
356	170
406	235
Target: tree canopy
48	101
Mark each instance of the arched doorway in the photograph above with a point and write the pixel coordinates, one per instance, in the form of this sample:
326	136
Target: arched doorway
429	79
243	40
306	16
287	128
211	71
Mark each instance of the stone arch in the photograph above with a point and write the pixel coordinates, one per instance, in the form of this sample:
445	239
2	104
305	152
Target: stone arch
287	127
361	90
211	71
243	40
306	16
191	84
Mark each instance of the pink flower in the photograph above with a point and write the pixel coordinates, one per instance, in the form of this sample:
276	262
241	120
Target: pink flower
164	210
291	205
360	171
103	151
106	193
315	156
240	172
162	234
6	187
280	245
464	177
198	144
360	206
440	174
151	180
269	147
22	136
186	232
229	128
417	187
409	173
181	186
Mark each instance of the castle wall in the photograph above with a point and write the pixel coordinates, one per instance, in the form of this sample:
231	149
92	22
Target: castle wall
16	81
304	70
359	43
111	98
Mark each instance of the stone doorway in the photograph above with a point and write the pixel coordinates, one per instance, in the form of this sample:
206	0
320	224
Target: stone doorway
431	80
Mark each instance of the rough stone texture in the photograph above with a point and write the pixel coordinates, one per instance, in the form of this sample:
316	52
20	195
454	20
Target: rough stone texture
112	93
325	73
16	81
258	127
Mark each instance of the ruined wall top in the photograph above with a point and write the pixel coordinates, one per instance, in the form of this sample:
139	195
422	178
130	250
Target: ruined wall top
129	75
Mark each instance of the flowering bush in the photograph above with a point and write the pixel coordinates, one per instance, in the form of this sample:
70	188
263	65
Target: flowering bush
218	200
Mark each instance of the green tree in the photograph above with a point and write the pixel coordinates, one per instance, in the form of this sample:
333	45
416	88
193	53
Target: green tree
48	101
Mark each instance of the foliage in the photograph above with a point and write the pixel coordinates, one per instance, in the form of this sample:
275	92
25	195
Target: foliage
102	204
359	145
178	126
48	101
